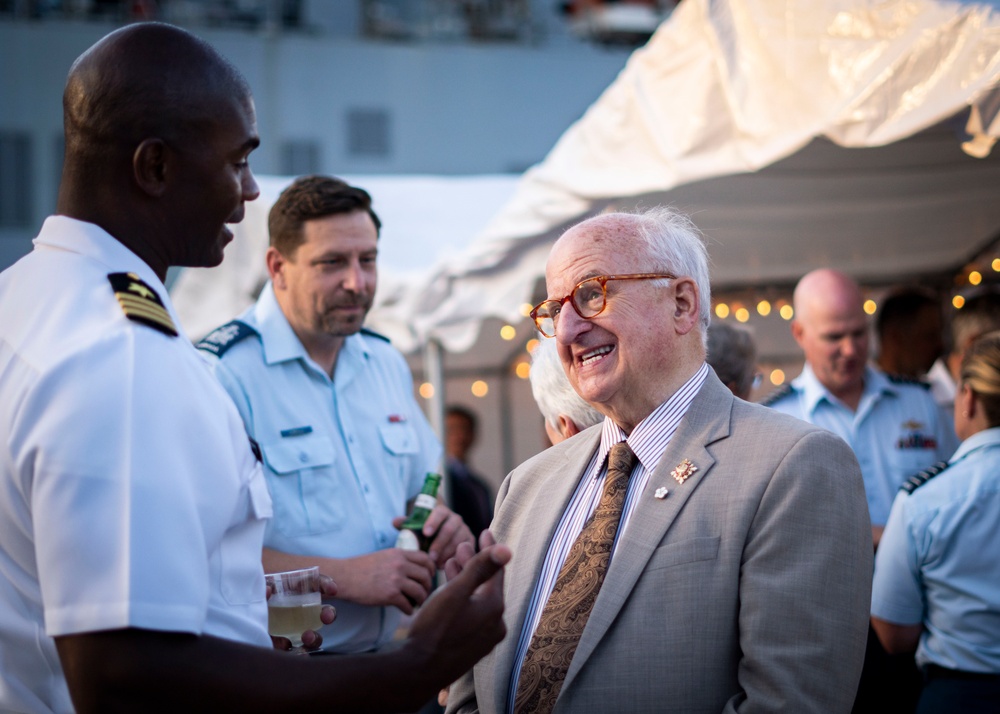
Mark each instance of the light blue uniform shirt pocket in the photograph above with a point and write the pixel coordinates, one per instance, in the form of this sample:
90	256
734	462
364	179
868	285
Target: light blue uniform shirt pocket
302	484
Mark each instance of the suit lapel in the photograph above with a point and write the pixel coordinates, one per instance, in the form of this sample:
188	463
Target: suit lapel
706	421
544	497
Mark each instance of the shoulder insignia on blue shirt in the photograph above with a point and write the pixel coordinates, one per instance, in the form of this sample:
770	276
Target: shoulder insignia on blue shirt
141	303
222	338
916	481
777	395
372	333
903	379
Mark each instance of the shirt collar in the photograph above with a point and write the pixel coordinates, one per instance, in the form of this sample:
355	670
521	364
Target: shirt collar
813	391
281	344
92	241
986	437
647	438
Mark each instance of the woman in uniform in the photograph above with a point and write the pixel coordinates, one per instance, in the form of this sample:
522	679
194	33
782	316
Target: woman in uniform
937	569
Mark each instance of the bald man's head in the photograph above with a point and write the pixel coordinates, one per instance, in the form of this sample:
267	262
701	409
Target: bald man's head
831	327
159	128
143	80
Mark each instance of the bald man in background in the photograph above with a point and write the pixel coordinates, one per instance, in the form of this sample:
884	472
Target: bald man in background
892	424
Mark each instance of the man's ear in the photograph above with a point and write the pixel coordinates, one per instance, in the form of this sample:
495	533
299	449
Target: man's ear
686	304
797	331
275	267
567	427
149	166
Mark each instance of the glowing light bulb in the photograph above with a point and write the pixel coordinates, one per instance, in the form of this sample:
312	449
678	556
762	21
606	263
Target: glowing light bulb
426	390
480	388
722	311
763	308
777	377
508	332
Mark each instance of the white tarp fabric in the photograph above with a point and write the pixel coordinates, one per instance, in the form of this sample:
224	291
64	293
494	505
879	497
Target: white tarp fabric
424	219
769	91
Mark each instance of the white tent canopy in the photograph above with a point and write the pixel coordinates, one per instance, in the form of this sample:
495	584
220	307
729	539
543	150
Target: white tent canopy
798	134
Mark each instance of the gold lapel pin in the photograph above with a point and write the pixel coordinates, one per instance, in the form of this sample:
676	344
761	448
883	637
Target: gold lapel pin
661	492
683	470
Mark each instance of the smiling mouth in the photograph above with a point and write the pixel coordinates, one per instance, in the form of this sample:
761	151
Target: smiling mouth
594	355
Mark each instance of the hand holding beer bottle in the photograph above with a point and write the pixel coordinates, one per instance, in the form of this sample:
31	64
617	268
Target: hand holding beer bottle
411	531
431	526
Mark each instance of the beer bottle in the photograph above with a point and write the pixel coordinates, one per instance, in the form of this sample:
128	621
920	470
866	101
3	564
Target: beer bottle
411	533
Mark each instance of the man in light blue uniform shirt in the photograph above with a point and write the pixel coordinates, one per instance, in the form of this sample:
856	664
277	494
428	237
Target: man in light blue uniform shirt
893	425
894	428
937	574
344	444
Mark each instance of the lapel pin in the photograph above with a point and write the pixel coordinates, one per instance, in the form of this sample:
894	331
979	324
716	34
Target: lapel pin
661	492
683	470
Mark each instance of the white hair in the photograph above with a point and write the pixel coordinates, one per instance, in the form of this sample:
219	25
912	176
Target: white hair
675	244
552	391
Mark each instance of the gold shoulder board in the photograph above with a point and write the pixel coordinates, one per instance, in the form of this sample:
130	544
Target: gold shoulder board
141	303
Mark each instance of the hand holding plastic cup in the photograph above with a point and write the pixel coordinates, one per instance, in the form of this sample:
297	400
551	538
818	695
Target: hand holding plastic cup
294	604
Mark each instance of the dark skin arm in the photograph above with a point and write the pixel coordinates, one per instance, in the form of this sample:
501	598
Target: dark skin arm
897	639
142	670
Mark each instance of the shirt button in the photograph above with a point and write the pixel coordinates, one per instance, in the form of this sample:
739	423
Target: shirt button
303	456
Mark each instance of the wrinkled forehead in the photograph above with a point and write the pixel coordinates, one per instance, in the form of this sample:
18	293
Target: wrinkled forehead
604	245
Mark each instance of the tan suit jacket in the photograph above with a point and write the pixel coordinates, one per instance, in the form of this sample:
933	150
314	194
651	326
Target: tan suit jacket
746	589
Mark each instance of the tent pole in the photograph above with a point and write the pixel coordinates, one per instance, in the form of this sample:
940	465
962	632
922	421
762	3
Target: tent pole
434	371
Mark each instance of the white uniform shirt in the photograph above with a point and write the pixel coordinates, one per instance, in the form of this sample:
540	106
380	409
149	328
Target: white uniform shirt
342	456
129	495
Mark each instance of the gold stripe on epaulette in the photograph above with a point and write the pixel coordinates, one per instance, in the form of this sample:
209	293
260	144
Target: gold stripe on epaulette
140	302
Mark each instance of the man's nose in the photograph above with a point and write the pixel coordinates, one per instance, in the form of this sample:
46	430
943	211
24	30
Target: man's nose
570	325
354	277
249	186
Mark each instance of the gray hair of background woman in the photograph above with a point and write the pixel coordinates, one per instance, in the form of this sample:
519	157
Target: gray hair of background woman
733	355
552	391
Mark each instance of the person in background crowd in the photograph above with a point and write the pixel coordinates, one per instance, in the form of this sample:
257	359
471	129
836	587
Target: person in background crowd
345	445
733	355
910	333
735	540
979	314
132	503
892	424
470	496
564	411
937	571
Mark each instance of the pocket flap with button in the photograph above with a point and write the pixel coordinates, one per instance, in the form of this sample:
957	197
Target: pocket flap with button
399	438
295	453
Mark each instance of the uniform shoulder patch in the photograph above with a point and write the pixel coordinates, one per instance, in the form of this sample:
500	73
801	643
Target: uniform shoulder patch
917	480
219	340
902	379
372	333
140	302
777	395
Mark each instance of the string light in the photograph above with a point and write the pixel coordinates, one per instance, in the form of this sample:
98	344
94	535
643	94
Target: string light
742	314
996	265
526	308
426	390
787	312
722	311
870	307
522	370
777	377
958	302
975	277
531	345
480	388
508	332
763	308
